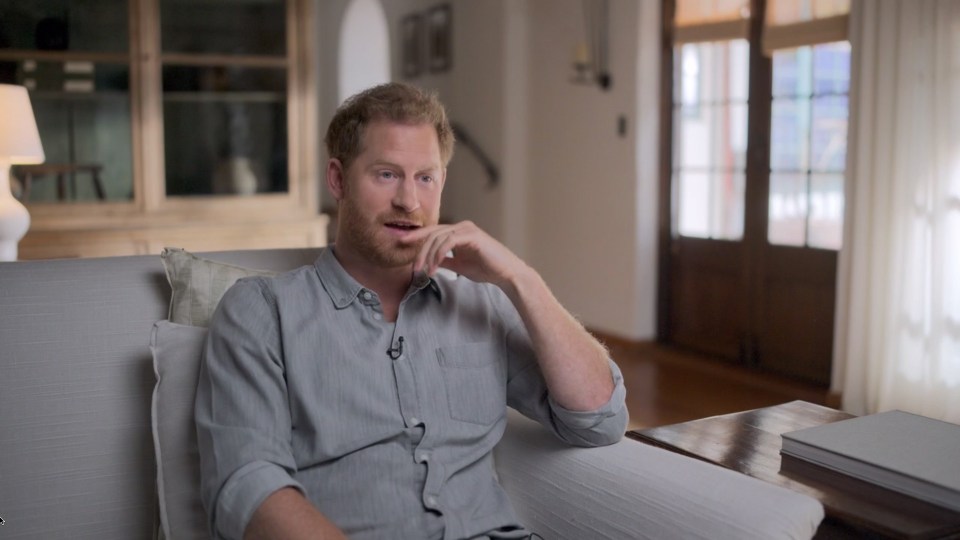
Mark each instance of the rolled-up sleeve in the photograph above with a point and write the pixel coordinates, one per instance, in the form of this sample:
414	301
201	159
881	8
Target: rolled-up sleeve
602	426
243	421
527	391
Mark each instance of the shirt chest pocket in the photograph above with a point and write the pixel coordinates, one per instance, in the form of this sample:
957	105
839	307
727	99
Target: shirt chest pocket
475	378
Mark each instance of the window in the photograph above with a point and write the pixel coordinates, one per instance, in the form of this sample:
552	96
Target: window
710	120
807	137
808	145
710	102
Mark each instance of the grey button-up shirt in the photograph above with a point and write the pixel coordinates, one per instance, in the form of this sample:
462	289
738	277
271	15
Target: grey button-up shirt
299	388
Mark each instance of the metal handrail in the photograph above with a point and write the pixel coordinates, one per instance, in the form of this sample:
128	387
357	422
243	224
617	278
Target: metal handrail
464	138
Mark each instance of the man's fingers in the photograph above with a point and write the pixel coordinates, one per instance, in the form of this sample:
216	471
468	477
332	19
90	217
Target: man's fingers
442	244
425	256
437	241
450	242
431	249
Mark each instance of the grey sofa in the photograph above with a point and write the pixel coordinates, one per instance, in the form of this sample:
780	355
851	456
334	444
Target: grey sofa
77	454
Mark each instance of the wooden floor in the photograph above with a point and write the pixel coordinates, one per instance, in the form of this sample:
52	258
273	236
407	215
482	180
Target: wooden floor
666	385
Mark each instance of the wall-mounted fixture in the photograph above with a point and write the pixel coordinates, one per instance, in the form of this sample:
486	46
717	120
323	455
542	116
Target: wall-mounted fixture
591	57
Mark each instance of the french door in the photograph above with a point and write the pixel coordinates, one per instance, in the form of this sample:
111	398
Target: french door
753	195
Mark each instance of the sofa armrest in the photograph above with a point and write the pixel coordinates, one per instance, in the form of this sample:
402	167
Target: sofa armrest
632	490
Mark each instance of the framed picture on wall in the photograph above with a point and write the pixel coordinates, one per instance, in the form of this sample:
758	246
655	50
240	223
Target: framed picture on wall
411	30
439	38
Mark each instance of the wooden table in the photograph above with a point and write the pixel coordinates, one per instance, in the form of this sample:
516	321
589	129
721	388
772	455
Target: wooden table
749	443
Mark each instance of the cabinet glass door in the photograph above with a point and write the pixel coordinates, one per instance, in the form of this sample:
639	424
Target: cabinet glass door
73	56
225	72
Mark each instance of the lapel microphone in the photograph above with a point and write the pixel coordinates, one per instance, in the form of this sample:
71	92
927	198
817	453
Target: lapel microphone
395	353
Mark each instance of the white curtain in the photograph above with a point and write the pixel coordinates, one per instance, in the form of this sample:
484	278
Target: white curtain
898	304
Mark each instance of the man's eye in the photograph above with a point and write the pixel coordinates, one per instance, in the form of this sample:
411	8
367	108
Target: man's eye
426	179
387	175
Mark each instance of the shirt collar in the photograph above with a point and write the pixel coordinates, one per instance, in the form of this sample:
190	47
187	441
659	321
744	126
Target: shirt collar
343	289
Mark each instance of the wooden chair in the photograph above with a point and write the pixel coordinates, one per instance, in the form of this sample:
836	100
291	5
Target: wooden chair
29	173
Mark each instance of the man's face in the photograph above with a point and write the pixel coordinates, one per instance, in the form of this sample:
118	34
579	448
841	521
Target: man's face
392	188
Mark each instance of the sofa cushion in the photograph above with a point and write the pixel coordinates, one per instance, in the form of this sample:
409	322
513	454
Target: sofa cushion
198	284
177	350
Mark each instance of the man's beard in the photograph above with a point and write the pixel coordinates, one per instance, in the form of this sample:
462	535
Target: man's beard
366	235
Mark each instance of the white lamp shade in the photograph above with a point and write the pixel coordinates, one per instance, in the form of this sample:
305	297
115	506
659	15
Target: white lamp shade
19	138
19	144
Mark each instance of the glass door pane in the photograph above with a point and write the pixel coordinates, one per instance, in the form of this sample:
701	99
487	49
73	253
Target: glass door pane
64	25
808	145
225	72
235	27
710	130
225	130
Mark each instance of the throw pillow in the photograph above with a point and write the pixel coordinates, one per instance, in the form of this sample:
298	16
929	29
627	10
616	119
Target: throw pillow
198	284
177	350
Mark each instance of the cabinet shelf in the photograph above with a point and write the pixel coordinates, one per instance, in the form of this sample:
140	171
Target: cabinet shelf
213	60
66	56
55	95
224	97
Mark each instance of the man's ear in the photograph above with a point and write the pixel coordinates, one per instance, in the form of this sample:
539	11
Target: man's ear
336	178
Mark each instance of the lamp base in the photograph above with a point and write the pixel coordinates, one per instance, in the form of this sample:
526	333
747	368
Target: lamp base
14	218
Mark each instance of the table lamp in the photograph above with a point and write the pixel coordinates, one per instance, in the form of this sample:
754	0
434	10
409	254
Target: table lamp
19	144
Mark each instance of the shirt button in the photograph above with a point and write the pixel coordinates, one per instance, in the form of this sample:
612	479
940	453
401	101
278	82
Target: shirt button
414	421
432	501
377	316
366	295
424	457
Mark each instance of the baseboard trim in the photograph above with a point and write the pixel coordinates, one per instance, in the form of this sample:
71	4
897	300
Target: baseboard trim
834	399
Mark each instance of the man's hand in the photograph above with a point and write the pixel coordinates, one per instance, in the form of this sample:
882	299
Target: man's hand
573	363
476	255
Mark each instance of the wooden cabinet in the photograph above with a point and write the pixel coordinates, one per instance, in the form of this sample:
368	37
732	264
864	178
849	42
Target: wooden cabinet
199	117
192	236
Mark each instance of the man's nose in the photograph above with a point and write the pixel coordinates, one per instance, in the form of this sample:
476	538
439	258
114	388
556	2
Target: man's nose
405	197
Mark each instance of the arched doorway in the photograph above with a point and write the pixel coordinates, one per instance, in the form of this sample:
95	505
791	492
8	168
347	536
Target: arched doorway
364	51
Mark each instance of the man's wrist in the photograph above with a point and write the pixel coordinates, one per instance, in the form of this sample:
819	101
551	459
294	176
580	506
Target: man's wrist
525	279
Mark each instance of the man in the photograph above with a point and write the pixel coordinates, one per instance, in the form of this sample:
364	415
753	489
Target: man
363	395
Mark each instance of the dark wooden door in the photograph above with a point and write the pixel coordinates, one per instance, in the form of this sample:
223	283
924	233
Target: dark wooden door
727	290
765	306
709	311
794	309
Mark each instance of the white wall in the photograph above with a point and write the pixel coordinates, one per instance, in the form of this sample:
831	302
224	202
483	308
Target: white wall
575	199
474	93
592	191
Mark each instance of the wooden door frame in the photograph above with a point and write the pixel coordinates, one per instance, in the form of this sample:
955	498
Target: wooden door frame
757	179
757	169
665	218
